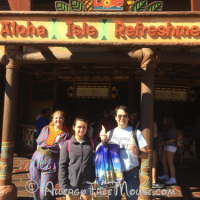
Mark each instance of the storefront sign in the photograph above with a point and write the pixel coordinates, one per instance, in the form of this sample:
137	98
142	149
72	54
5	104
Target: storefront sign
111	5
171	95
91	92
100	29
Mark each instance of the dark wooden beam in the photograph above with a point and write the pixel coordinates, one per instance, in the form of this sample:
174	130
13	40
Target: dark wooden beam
55	93
108	57
103	57
32	67
41	48
131	93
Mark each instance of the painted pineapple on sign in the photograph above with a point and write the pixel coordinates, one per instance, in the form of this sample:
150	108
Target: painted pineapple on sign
108	5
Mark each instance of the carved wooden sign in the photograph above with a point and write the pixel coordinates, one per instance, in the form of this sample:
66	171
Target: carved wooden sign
171	95
108	5
100	29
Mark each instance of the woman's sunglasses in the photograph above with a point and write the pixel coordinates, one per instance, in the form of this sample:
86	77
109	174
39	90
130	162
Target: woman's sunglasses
122	116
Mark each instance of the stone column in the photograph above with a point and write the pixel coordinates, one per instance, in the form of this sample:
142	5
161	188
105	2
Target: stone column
148	66
8	190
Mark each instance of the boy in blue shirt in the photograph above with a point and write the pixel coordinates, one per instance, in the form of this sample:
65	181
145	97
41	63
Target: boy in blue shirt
40	123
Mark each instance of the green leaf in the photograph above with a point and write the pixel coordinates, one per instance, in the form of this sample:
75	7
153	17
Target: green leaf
77	5
155	6
62	6
139	6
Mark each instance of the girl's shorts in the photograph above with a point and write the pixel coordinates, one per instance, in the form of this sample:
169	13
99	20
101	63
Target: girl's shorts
170	148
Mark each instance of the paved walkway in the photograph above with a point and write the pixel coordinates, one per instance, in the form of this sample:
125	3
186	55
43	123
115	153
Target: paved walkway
187	188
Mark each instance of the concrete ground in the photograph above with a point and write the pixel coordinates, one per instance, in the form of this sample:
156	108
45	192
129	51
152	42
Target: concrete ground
187	188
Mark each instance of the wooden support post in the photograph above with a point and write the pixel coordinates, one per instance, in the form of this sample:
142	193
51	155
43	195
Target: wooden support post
55	93
195	5
103	57
9	126
20	5
131	92
147	106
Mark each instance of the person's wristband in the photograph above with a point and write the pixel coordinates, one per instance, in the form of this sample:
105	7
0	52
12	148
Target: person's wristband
139	153
164	143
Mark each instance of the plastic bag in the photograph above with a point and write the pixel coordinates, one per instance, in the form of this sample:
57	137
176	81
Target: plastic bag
107	165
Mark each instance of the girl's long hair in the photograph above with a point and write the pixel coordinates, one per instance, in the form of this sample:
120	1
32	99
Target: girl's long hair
170	126
82	119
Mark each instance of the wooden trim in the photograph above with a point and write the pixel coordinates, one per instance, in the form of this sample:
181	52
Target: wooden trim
27	125
43	80
12	67
99	14
195	5
192	5
100	44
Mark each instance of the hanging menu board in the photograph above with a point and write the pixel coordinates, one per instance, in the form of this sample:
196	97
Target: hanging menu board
91	92
179	95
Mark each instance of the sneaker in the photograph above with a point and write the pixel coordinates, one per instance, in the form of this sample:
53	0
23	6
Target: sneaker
163	177
157	185
171	181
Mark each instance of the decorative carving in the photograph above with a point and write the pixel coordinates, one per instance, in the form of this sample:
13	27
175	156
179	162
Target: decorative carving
150	58
12	57
146	175
155	6
56	71
74	70
193	95
142	5
74	5
70	91
77	5
6	159
128	4
138	71
132	66
108	5
38	74
62	6
116	69
8	192
160	72
114	92
139	6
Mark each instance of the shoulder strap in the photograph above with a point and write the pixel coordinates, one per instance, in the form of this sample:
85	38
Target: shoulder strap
111	134
92	143
68	146
135	137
